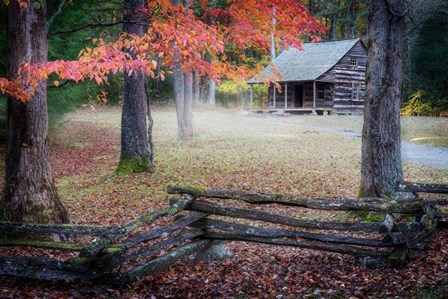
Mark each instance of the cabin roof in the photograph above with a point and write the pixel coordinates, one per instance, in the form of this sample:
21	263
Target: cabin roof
311	63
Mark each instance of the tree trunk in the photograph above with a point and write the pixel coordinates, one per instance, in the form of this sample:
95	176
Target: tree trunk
183	98
203	91
212	93
381	167
136	150
333	23
183	94
351	19
30	194
196	87
188	106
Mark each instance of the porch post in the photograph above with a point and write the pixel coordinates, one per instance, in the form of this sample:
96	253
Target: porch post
274	96
314	94
251	95
286	94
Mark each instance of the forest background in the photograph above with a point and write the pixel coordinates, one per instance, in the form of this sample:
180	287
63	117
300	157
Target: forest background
426	72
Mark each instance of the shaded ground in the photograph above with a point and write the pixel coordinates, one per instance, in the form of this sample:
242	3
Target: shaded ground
231	151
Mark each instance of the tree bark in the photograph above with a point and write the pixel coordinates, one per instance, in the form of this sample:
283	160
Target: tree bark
351	19
196	87
136	151
183	94
381	167
188	107
212	93
30	194
334	20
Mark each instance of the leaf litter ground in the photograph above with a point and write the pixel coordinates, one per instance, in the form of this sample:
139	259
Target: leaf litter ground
233	150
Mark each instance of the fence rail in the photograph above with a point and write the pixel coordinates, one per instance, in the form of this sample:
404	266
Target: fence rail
121	254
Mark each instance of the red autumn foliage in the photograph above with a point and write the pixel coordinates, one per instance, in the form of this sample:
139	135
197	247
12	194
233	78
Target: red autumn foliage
188	32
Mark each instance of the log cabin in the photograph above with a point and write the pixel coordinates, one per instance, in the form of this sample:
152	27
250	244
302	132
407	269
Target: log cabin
323	77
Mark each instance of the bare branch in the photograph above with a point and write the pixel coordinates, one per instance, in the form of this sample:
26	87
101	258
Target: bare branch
94	25
57	13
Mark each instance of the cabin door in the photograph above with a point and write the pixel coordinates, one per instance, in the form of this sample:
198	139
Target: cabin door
298	96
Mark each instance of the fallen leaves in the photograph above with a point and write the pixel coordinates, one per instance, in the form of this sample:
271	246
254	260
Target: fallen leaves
236	152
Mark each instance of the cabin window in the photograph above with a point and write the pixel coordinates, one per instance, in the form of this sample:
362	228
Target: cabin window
356	91
354	61
320	91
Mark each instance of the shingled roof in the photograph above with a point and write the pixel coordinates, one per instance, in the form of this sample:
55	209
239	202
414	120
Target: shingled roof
309	64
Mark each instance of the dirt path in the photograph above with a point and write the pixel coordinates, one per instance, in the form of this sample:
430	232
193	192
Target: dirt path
433	156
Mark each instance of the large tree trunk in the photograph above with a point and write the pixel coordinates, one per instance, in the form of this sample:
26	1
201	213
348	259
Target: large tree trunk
381	167
136	150
30	194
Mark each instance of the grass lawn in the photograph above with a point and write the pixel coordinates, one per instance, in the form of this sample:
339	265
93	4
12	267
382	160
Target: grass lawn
250	152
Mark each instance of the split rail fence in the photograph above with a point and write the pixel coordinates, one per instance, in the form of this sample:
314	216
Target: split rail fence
121	254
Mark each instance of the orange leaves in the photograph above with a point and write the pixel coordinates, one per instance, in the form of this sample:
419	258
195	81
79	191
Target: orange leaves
197	39
13	89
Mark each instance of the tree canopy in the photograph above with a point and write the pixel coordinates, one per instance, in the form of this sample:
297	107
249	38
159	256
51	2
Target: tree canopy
245	24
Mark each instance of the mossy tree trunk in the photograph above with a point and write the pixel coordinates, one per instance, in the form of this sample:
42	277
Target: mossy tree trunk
136	149
381	167
30	194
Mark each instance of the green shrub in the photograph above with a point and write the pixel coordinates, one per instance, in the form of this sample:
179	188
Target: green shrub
230	94
416	105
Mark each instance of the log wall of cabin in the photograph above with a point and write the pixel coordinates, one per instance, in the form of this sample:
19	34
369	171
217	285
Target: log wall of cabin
346	76
326	102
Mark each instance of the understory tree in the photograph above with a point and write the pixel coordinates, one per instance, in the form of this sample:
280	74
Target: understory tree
136	153
183	91
381	166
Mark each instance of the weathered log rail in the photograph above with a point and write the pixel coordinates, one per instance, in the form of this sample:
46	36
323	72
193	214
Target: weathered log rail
120	254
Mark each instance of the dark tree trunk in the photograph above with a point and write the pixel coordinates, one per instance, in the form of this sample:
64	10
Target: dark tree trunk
30	194
334	20
381	167
136	150
311	7
351	19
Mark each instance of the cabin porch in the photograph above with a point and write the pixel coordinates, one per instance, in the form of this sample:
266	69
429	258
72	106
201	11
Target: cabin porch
298	96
